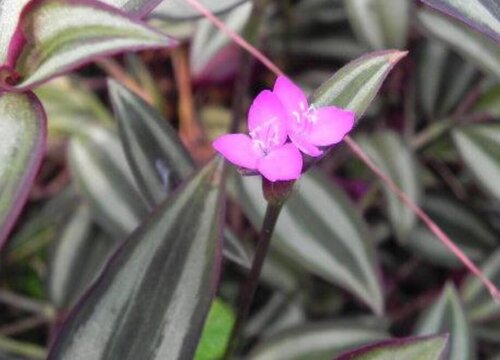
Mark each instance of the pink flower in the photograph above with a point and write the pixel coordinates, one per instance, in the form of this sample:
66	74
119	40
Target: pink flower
307	126
265	149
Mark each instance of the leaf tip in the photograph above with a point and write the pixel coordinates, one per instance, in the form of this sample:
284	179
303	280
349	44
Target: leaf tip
396	56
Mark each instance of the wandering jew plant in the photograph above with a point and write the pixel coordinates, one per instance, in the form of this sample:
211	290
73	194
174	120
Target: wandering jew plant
125	235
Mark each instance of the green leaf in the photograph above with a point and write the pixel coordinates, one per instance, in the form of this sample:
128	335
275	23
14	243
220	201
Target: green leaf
468	231
152	299
483	15
396	160
53	45
181	9
9	17
208	41
413	348
101	171
479	146
381	24
154	151
478	302
314	341
483	52
23	129
77	257
448	315
320	229
216	332
355	85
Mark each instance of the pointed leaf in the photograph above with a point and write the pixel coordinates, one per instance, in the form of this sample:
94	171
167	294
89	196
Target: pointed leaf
23	129
154	151
314	341
482	51
479	146
52	43
483	15
181	9
468	231
413	348
397	161
381	24
320	229
447	315
154	295
77	257
100	169
480	306
355	85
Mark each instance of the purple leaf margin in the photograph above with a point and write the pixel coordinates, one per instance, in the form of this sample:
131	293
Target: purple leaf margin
448	9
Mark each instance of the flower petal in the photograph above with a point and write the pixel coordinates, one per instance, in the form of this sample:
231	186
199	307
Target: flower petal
266	118
238	149
283	163
305	145
292	97
331	126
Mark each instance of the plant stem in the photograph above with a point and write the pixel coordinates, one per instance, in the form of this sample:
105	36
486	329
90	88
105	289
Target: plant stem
249	288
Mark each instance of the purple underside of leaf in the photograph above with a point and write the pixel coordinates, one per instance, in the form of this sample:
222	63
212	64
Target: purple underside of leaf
26	45
455	13
32	166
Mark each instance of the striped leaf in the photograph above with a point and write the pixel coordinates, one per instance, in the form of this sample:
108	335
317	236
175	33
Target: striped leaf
397	161
482	51
209	43
100	169
480	148
412	348
154	151
447	315
469	232
320	229
355	85
154	295
315	341
77	257
53	42
480	306
483	15
23	131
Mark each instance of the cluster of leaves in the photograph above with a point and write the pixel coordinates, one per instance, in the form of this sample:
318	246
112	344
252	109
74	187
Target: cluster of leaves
125	212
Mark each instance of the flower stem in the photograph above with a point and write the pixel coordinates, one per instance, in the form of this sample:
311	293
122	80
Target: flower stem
248	289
